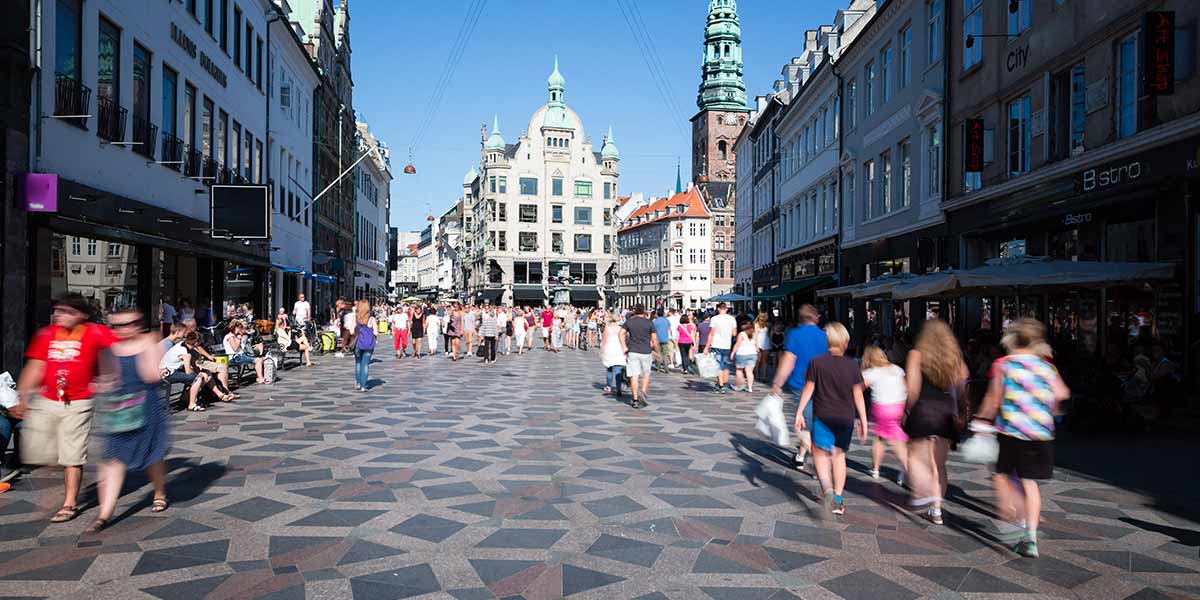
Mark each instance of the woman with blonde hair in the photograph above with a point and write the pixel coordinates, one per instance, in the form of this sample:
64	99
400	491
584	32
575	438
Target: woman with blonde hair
364	343
886	382
834	385
1023	398
762	342
935	374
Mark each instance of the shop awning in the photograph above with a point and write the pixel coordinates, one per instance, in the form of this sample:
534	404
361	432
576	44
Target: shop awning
528	294
585	294
881	287
730	297
781	292
844	291
325	278
1030	274
286	269
491	295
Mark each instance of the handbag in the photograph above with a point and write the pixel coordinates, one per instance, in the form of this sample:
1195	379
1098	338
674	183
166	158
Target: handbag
121	413
982	447
480	352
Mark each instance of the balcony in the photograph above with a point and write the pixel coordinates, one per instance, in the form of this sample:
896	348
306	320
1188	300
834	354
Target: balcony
192	162
212	171
145	137
110	124
71	98
225	176
172	151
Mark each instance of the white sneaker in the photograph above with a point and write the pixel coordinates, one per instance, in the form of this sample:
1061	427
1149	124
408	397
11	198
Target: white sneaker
874	473
338	355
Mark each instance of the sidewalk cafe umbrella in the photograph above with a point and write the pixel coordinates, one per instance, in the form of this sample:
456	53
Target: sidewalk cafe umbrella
881	287
931	285
730	297
1030	274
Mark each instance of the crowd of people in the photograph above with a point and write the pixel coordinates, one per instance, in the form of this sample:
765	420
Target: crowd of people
81	373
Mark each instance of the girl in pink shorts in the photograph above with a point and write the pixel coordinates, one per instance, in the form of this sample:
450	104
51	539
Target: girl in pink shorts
888	395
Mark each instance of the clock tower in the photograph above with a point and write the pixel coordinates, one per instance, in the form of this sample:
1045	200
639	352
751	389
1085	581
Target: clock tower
723	114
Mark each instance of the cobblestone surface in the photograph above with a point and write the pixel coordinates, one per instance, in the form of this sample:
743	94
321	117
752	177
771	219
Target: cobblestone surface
521	480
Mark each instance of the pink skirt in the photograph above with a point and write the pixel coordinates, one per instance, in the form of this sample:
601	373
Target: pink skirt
886	418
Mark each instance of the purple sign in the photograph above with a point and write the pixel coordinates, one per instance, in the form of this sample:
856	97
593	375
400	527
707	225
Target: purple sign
40	191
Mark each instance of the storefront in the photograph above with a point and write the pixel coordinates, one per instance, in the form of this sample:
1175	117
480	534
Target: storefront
802	273
122	253
1132	210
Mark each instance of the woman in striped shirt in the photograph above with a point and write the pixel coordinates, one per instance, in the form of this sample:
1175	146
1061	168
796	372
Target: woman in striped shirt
489	328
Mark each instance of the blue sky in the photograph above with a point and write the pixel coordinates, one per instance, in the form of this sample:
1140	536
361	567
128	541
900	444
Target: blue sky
400	49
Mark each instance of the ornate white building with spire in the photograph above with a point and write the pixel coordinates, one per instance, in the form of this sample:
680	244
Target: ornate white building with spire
543	227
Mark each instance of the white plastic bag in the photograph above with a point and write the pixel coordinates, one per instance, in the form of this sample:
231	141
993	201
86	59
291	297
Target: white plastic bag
770	420
708	366
982	447
269	366
8	392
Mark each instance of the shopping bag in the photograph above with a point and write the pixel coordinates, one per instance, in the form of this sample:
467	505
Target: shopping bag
8	392
770	420
708	366
982	447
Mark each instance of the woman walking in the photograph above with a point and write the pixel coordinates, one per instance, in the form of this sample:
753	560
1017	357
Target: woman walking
520	330
489	329
745	355
762	342
454	332
470	320
687	342
834	384
935	371
886	382
398	323
364	343
1023	398
417	329
612	356
433	328
133	420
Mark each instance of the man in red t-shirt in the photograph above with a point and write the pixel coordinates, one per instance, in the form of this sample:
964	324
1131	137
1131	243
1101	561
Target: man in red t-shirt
547	323
55	388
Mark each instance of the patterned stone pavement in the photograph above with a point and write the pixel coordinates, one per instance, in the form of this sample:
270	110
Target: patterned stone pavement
520	480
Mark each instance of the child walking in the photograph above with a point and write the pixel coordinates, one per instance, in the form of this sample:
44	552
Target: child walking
888	393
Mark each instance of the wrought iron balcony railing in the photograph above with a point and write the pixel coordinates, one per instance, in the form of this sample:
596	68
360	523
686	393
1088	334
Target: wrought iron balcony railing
172	152
145	137
71	98
192	162
110	122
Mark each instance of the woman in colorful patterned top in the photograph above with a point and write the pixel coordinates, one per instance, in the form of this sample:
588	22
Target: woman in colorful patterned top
1023	397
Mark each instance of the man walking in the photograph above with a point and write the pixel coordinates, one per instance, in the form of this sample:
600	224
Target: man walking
721	330
55	391
301	312
662	331
802	343
640	339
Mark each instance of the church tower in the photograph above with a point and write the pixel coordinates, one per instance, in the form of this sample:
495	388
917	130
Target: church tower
723	114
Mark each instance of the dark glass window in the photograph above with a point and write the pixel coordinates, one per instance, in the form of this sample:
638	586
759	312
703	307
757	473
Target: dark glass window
529	186
68	29
108	67
169	92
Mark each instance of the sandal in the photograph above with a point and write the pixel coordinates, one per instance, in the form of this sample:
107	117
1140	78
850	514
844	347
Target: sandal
65	514
97	526
197	408
159	505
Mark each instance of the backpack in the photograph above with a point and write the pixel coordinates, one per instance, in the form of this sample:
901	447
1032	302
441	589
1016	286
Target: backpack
365	338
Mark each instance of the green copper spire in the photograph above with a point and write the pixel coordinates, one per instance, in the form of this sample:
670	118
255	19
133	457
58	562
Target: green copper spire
721	85
557	85
495	141
678	179
609	149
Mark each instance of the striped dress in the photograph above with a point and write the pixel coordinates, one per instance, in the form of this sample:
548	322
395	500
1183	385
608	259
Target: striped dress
1027	409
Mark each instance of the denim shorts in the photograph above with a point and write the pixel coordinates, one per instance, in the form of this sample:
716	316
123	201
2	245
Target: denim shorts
745	361
826	436
722	356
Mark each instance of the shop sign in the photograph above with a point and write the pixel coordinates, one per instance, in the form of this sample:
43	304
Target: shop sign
973	157
1017	58
1158	53
39	192
1105	177
206	63
1077	219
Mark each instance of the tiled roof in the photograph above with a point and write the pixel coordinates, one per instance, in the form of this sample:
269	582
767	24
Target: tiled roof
621	200
669	208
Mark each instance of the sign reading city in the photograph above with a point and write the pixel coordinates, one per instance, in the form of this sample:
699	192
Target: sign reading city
1158	52
973	157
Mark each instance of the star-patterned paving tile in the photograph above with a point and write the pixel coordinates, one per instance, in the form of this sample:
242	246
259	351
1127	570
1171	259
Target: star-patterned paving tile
522	480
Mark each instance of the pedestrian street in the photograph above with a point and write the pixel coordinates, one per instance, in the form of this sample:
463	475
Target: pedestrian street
522	480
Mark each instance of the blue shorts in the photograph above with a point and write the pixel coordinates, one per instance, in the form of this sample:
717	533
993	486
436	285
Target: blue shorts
722	355
745	361
240	359
826	437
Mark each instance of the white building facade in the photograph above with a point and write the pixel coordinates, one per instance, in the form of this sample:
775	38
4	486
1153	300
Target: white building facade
293	80
664	253
544	228
372	182
139	107
404	276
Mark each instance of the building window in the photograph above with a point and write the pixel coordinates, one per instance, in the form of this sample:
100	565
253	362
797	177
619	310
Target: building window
114	250
935	158
869	193
583	242
556	186
258	161
722	150
527	241
528	186
108	66
208	17
905	172
608	186
225	26
528	213
248	155
1127	86
885	60
1021	20
972	28
719	241
91	247
503	212
1078	107
206	127
679	257
556	213
583	215
503	182
141	93
235	144
607	217
75	246
885	183
851	104
905	56
719	268
556	242
502	244
850	199
1018	135
933	30
492	184
608	244
189	114
583	188
237	38
169	92
258	64
869	89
